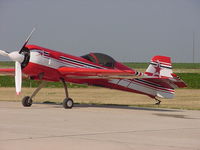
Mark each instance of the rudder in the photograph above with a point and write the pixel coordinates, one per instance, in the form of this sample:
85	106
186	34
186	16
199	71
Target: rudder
159	67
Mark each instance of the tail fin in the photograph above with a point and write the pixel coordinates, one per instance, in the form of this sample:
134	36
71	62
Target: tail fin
159	67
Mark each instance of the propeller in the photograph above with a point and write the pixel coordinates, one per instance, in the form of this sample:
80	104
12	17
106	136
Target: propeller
18	58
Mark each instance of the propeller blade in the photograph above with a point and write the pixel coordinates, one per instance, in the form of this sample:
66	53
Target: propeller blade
3	53
27	40
18	77
18	58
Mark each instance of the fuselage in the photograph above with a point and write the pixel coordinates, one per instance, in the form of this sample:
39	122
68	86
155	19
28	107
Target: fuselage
46	62
43	60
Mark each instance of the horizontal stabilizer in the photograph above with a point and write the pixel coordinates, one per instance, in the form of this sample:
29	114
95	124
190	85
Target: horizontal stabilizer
9	71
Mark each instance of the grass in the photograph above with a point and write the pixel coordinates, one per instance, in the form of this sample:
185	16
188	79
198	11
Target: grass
9	81
143	65
6	64
186	65
184	99
192	80
136	65
175	65
189	72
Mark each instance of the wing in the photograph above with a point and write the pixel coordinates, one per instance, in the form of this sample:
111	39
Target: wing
96	73
7	71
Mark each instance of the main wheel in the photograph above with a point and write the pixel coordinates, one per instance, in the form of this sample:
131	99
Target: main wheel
68	103
26	101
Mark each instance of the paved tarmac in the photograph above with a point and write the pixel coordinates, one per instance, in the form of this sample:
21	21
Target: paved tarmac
51	127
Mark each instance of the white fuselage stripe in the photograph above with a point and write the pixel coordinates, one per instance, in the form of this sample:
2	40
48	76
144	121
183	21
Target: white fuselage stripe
38	58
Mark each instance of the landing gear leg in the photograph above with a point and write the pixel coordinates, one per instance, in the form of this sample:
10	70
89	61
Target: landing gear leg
158	101
27	100
67	102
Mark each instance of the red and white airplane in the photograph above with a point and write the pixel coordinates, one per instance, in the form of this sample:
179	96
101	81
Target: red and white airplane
93	69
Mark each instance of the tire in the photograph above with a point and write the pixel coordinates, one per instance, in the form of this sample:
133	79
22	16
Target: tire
68	103
27	101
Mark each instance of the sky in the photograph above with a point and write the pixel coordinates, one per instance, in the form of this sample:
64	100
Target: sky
127	30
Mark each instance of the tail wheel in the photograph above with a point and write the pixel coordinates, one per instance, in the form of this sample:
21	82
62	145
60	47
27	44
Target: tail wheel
27	101
68	103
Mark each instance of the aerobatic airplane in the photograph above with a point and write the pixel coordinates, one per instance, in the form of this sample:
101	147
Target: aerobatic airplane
95	69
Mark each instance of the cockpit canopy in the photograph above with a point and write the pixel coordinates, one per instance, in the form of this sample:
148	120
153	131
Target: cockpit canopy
101	59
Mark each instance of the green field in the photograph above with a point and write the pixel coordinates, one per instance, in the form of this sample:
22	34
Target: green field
143	65
9	81
175	65
192	79
6	64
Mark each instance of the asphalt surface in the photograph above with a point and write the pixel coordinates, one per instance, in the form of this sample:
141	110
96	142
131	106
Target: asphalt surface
51	127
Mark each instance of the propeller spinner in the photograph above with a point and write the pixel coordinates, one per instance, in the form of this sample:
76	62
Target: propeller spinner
18	57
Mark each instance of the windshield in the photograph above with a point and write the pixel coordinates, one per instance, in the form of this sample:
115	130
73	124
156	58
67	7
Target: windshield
101	59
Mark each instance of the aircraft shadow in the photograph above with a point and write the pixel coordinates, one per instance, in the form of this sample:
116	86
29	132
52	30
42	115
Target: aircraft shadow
115	106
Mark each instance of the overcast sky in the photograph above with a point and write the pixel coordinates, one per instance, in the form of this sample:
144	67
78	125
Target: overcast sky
128	30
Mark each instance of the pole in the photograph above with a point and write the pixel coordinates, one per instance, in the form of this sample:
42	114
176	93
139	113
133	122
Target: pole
193	47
